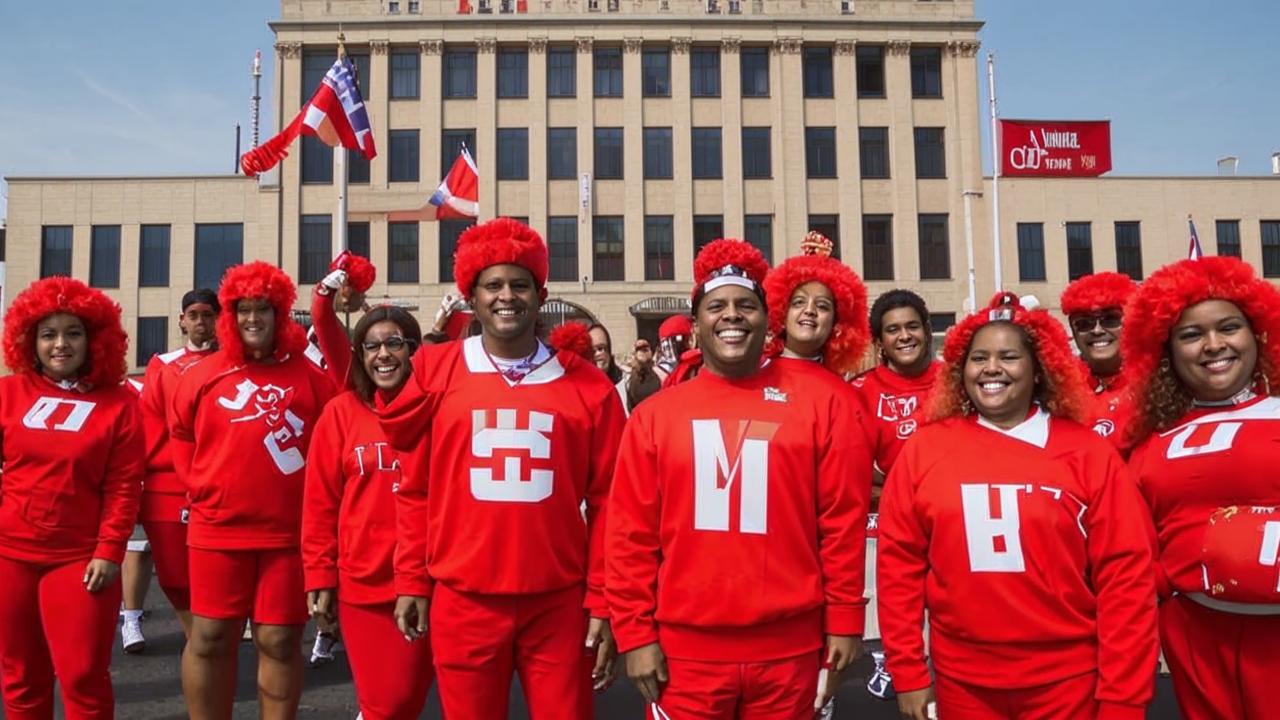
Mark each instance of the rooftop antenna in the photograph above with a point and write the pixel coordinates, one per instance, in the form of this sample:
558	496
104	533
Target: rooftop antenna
255	102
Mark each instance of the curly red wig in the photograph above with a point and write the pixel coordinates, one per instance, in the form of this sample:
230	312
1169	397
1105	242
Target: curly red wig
1098	291
571	337
361	273
501	241
259	280
716	255
1063	392
851	334
106	364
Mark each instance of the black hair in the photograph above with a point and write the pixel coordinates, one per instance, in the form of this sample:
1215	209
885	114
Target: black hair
892	300
614	372
409	329
201	295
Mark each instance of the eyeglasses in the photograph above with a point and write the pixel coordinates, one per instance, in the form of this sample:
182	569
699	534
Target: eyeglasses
395	343
1086	323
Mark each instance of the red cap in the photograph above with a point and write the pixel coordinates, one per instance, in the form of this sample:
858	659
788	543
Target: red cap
728	262
502	241
675	326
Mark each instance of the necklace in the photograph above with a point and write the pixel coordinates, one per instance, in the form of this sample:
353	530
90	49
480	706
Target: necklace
514	370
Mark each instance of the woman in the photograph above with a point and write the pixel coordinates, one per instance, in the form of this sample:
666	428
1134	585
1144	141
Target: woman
1020	532
349	515
1204	372
1094	306
73	453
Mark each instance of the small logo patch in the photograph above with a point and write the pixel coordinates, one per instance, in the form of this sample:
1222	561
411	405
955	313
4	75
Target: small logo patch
774	395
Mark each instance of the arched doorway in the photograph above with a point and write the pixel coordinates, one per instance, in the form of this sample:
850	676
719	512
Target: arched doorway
558	311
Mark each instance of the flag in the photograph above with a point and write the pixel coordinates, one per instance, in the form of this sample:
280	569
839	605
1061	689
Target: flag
1194	251
335	114
458	196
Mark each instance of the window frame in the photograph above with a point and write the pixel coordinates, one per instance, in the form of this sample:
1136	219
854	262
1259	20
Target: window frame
819	163
1031	260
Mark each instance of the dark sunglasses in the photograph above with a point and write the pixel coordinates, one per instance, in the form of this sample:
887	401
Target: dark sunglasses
395	343
1086	323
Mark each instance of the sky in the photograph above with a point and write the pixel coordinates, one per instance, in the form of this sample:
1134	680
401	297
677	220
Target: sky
157	87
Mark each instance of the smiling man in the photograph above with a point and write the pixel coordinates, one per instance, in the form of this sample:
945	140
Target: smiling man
1094	306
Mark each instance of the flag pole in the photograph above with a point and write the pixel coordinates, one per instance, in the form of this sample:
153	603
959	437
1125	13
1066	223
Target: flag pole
995	173
340	169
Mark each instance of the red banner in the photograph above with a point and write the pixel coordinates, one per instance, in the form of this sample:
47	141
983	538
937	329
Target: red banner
1047	148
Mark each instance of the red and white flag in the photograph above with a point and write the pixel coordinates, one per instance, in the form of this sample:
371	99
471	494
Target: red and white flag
1194	251
457	198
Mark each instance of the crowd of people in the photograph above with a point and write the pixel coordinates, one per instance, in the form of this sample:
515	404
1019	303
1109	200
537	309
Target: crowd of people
1023	525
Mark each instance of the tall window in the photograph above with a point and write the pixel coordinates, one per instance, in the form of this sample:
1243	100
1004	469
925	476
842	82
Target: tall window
828	225
405	74
513	153
402	252
655	72
402	157
704	72
153	256
218	247
1129	249
562	246
606	248
873	152
870	71
758	230
459	72
755	71
931	154
561	71
1270	248
820	152
757	149
817	73
450	231
706	153
659	247
926	72
877	247
1031	252
562	153
314	243
1229	238
1079	250
608	152
316	157
705	229
55	250
358	239
657	153
151	339
451	142
935	248
104	256
608	72
513	73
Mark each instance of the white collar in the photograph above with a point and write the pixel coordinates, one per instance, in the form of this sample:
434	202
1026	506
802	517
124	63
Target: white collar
1033	431
478	362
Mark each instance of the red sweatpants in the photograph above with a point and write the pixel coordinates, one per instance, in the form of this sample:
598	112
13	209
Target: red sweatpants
1223	665
772	690
50	624
392	675
169	553
1070	699
477	640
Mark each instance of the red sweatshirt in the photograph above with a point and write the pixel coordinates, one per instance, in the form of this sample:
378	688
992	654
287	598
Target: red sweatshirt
893	406
1214	457
738	517
491	501
1110	413
163	494
349	512
335	344
72	472
1032	554
240	432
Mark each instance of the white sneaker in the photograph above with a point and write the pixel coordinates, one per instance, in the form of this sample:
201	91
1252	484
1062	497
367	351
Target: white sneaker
131	637
828	711
325	646
247	635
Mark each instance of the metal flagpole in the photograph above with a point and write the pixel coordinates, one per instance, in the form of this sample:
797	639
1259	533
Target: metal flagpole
995	173
340	169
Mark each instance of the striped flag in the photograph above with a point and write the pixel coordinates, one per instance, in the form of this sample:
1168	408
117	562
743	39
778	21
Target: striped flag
459	195
1194	251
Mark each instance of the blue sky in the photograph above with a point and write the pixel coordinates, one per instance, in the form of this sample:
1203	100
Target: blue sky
152	87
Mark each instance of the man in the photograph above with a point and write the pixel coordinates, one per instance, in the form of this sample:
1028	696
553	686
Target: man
1094	306
675	338
642	380
501	443
734	551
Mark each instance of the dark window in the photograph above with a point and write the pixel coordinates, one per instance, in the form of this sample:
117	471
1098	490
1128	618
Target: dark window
655	72
405	74
317	160
561	71
608	152
828	225
152	338
608	72
757	149
931	153
926	72
1229	237
657	153
1270	248
706	153
1031	252
153	256
758	230
357	168
402	157
513	73
755	71
459	73
562	246
877	247
218	247
817	73
451	142
562	153
104	256
704	72
820	152
513	154
870	61
314	248
941	322
659	247
316	157
358	239
1079	250
705	229
402	252
1129	249
606	249
873	151
935	249
450	231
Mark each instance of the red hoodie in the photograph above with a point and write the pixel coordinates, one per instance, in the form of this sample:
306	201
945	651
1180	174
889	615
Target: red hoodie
72	473
893	406
163	494
1032	554
738	515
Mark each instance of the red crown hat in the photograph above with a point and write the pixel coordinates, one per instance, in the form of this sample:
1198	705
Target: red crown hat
1098	291
728	261
360	272
571	337
675	326
258	279
501	241
99	313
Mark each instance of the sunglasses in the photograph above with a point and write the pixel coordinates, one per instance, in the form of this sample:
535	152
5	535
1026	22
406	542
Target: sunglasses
395	343
1086	323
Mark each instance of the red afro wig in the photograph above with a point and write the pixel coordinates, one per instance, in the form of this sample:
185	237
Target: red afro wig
105	366
1098	291
1160	301
571	337
361	273
259	280
851	334
501	241
675	326
1063	391
728	257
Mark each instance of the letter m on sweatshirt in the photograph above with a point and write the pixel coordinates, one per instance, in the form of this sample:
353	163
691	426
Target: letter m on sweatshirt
720	464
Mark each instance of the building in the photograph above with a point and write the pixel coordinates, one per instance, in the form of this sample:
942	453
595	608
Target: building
630	132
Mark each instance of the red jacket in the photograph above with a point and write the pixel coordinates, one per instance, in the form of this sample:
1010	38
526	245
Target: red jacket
495	474
240	432
1111	412
349	512
738	516
163	494
893	408
1032	554
72	472
334	343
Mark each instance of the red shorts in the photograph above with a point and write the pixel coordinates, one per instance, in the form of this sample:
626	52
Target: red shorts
1070	699
769	690
265	586
169	553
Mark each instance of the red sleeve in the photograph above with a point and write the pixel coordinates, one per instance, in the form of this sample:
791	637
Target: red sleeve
610	418
335	344
121	485
1137	459
321	501
406	420
902	562
181	420
632	542
844	494
151	406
